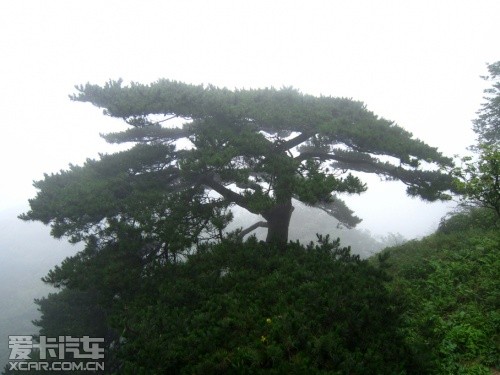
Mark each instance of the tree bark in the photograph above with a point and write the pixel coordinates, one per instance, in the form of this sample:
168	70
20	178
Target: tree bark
278	221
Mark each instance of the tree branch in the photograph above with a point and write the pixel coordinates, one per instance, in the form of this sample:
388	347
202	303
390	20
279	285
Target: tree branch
291	143
165	119
209	180
259	224
428	185
146	134
366	164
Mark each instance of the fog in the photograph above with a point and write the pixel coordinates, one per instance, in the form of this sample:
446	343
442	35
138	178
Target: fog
416	63
27	253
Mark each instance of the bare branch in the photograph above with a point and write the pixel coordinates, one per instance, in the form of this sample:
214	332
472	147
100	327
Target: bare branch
165	119
259	224
291	143
210	181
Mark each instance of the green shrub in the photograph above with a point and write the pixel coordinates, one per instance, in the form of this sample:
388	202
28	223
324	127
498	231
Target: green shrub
452	291
254	308
467	219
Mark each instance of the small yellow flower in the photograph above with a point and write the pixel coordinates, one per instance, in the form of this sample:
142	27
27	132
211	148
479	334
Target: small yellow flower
268	320
263	338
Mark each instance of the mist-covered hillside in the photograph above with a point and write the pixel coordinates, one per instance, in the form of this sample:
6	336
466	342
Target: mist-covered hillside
446	281
450	287
27	253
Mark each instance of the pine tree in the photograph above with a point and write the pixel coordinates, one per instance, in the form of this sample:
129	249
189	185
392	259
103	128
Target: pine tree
257	149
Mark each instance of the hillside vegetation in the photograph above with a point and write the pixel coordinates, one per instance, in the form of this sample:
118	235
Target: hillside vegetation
451	289
425	307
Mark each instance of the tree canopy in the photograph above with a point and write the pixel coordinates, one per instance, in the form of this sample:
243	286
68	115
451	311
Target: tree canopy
487	124
478	178
257	149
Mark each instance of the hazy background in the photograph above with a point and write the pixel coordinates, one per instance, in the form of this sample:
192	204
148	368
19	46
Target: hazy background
417	63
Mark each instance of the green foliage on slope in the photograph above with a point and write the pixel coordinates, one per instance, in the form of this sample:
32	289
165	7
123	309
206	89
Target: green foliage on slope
452	290
235	308
255	308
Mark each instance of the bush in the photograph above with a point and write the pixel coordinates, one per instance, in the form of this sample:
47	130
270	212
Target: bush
254	308
452	292
468	218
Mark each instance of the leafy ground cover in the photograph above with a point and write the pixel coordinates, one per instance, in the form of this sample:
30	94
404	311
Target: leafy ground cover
451	286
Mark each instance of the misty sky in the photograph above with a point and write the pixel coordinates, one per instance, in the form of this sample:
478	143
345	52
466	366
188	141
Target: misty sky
415	62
